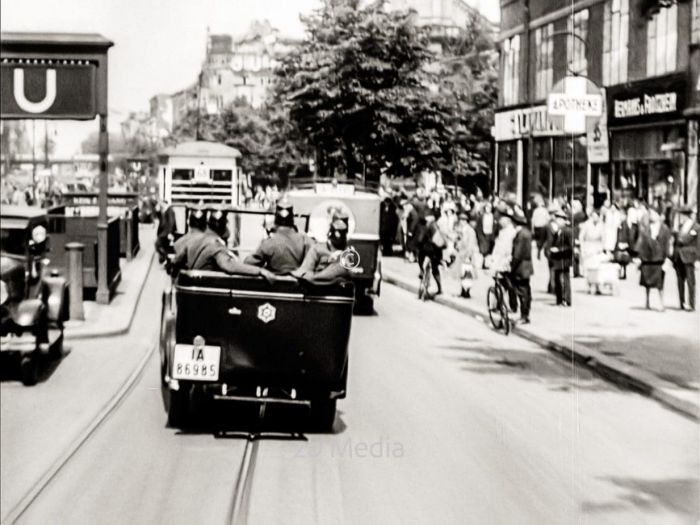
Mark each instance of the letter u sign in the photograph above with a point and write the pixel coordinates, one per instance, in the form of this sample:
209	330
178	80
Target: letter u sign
26	104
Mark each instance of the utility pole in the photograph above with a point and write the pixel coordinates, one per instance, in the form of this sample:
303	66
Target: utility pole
528	164
34	160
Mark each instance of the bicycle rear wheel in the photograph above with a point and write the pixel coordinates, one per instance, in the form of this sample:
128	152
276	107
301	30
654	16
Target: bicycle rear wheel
423	288
505	317
495	305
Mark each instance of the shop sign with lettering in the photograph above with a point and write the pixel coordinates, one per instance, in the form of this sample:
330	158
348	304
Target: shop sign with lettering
522	123
650	100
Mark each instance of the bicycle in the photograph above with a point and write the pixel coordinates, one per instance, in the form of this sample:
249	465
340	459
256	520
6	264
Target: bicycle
424	286
497	303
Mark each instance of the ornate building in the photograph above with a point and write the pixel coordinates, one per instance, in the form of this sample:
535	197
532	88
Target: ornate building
234	68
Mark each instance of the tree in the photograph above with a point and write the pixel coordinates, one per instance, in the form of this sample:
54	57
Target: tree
357	91
91	143
257	133
469	76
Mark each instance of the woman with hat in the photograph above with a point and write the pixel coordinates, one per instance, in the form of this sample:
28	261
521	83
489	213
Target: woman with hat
467	249
653	247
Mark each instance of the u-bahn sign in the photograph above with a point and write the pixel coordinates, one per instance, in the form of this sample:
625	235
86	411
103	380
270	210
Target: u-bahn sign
53	75
48	89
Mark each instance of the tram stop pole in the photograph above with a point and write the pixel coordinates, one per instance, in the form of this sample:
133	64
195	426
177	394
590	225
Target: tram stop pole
102	295
75	277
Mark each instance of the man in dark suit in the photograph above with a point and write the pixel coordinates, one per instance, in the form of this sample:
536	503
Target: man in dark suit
165	234
521	264
686	250
560	252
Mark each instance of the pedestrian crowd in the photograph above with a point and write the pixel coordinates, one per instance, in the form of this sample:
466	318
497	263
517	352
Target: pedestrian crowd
40	196
470	233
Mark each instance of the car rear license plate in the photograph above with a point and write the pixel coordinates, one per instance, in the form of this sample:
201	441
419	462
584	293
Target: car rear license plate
196	363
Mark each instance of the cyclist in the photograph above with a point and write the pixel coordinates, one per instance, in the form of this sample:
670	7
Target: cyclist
431	242
503	253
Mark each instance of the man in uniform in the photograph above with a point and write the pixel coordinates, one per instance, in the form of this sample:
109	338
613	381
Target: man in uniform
285	249
686	253
197	225
323	261
209	252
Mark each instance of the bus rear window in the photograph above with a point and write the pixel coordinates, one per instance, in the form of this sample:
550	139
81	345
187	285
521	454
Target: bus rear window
180	174
221	175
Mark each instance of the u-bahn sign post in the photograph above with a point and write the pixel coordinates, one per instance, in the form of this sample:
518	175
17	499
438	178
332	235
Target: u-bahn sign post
61	76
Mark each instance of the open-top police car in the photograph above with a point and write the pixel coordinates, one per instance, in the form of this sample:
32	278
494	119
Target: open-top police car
244	339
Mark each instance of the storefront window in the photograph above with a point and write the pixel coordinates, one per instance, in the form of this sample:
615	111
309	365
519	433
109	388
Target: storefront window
542	167
575	47
544	45
662	39
615	39
507	167
569	169
509	65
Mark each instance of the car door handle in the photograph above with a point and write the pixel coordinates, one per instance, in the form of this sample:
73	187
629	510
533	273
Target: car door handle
235	311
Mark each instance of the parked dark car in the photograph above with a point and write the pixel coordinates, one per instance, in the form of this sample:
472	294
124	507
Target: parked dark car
34	303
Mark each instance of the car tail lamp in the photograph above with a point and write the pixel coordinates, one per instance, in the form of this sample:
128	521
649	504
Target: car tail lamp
4	293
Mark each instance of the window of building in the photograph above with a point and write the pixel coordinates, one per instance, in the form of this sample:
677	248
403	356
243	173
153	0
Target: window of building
509	57
615	41
662	38
575	45
695	22
544	48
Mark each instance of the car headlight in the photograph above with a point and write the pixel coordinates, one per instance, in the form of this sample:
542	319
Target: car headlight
4	294
39	234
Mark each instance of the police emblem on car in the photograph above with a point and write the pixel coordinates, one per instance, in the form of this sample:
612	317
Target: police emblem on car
267	313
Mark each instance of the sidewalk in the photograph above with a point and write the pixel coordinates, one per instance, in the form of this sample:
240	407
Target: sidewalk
653	352
104	320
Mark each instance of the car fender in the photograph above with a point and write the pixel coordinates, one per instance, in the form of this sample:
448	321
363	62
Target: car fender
167	330
28	313
55	294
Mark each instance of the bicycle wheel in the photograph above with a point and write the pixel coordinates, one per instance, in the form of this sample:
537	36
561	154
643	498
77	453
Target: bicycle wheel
505	317
423	290
494	304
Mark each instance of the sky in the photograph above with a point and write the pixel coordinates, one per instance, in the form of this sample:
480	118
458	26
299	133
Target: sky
159	45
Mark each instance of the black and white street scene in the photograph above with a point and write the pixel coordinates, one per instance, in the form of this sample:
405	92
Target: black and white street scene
349	262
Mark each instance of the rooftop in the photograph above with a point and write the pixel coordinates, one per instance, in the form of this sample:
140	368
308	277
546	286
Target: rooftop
60	39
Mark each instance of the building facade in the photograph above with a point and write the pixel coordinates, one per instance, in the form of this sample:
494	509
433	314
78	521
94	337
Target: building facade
236	68
644	55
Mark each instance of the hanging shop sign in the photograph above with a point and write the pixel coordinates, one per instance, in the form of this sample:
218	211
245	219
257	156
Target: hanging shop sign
597	143
647	101
577	102
525	122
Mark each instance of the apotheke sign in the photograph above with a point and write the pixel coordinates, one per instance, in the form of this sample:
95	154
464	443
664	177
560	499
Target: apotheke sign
647	101
523	123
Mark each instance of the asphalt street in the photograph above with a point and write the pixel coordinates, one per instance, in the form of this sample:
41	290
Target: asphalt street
445	422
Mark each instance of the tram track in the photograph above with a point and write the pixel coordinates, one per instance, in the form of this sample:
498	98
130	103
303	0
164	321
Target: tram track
240	504
35	491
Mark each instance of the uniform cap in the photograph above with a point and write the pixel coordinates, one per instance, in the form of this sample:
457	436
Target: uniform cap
339	225
197	218
284	213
